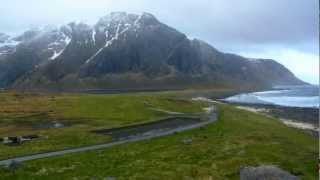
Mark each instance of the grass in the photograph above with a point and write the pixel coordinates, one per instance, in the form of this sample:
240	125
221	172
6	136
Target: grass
20	113
239	138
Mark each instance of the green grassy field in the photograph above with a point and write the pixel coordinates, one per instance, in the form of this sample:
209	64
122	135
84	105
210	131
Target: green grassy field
21	113
239	138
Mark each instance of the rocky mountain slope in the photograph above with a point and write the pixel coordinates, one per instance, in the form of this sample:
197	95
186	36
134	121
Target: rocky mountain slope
126	51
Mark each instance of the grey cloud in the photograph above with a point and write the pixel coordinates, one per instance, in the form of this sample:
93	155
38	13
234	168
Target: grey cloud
251	21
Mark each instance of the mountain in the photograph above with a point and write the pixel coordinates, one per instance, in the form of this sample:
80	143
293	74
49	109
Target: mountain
127	51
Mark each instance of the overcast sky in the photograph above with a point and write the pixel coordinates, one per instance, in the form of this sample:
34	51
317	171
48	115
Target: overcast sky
284	30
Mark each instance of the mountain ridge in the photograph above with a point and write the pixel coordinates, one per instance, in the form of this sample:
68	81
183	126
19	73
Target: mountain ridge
124	50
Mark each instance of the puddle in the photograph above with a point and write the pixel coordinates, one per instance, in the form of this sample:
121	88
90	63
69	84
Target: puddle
148	128
49	125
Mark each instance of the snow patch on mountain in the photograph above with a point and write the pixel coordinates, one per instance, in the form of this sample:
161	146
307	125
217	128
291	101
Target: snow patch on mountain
122	22
10	43
55	55
7	44
94	36
65	42
92	57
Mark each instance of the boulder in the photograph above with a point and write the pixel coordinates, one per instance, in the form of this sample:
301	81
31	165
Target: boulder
265	173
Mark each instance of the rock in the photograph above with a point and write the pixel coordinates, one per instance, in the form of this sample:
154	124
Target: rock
242	152
187	141
109	178
265	173
12	140
14	165
57	125
18	140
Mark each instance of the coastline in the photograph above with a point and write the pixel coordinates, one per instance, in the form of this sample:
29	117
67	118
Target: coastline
304	118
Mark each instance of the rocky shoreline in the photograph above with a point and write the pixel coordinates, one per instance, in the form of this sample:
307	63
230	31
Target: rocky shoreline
299	117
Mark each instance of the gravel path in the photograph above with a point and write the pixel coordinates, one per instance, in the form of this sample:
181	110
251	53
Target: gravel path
212	118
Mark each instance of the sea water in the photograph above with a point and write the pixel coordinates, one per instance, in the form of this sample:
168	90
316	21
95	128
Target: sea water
291	96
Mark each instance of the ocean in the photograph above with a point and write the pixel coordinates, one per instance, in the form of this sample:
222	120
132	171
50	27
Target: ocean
290	96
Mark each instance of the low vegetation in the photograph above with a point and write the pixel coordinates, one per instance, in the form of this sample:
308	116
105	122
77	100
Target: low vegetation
239	138
28	113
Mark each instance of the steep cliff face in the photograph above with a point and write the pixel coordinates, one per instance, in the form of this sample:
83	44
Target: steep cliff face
126	51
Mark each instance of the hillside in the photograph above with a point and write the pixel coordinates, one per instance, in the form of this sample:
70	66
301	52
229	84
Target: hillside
127	51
